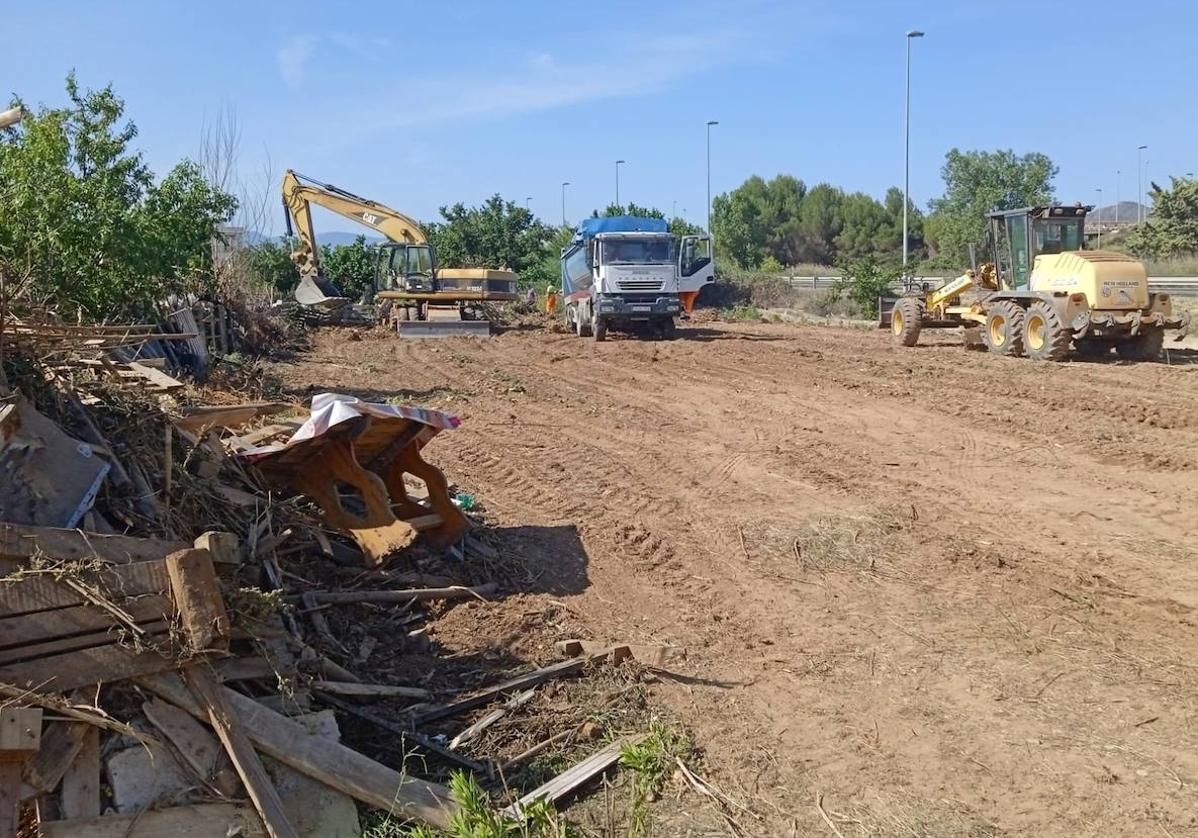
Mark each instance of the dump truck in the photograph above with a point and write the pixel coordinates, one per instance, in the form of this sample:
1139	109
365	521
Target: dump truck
630	273
1043	295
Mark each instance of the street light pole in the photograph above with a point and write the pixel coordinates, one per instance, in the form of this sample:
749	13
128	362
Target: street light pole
527	201
1099	191
710	123
1140	183
911	35
1118	178
565	183
618	162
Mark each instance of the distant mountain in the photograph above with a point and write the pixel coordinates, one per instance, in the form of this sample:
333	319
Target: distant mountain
1127	212
337	239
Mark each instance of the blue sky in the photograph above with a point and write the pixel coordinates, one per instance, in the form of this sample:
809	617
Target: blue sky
419	104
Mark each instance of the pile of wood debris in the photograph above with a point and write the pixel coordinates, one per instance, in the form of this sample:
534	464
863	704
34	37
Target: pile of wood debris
181	584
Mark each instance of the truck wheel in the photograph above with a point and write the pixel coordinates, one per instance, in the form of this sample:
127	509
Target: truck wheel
906	320
1045	337
1146	346
669	329
583	330
599	329
1004	329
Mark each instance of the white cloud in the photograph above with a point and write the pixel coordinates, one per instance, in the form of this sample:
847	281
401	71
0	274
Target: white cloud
543	82
293	58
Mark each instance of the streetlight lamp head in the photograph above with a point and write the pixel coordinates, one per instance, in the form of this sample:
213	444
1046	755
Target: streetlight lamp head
618	162
915	33
1141	147
713	122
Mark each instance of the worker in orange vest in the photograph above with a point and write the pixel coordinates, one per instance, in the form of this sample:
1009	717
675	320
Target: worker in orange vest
550	299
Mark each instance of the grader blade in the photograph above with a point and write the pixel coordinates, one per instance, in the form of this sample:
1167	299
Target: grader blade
444	328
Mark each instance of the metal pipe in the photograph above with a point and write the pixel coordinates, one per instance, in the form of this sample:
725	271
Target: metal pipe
1140	183
912	34
710	123
565	183
618	162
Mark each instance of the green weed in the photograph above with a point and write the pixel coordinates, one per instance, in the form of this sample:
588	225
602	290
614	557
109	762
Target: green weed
652	763
742	313
476	817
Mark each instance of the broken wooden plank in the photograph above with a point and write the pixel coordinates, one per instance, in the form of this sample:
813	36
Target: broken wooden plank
43	592
198	599
246	669
159	379
560	669
80	796
331	763
252	439
61	645
418	739
19	542
102	664
223	547
61	743
473	731
409	595
229	729
651	656
196	746
20	739
358	690
573	778
75	620
205	820
199	417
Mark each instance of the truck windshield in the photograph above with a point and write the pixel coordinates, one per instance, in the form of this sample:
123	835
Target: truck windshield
637	252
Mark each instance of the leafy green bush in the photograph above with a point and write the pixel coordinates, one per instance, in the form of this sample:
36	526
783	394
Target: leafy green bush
82	215
866	280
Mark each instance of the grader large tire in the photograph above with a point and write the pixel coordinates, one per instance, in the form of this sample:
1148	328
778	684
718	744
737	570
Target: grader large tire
1146	346
1045	337
1003	332
906	320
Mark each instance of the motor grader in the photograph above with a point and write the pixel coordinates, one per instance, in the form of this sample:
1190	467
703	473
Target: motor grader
1043	294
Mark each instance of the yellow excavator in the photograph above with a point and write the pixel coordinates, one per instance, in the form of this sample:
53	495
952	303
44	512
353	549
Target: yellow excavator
412	289
1043	295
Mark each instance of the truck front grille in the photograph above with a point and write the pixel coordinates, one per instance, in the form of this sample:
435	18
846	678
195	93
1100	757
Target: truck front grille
639	284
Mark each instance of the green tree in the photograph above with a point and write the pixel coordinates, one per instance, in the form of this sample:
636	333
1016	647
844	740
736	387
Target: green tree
976	182
915	235
866	228
498	234
613	210
1172	226
350	266
758	219
80	211
271	262
820	222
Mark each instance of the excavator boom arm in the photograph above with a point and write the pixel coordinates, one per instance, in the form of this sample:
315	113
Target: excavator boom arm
300	192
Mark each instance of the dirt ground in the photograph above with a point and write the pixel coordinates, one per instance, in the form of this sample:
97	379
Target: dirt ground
947	593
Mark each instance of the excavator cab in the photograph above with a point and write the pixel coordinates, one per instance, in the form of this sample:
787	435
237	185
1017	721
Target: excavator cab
1018	236
404	267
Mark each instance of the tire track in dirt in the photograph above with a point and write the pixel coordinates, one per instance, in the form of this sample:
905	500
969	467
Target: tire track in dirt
688	467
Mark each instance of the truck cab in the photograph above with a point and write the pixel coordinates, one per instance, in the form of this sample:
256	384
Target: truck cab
631	274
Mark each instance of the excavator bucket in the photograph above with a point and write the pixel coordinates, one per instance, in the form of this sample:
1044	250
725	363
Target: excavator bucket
319	293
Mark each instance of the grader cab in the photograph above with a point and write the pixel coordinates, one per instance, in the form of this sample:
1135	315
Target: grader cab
1043	295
